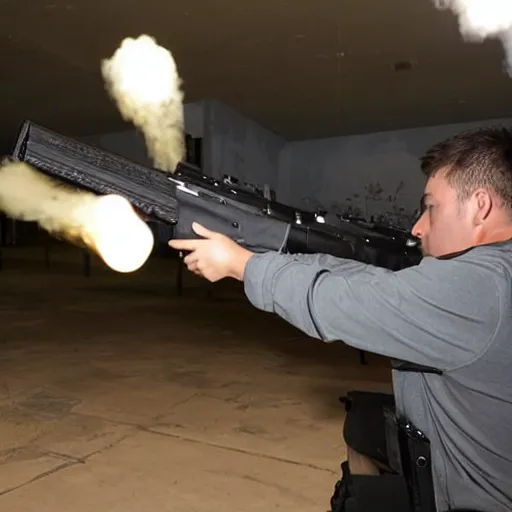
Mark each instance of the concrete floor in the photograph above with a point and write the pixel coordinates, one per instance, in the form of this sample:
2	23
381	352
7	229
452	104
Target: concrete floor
118	395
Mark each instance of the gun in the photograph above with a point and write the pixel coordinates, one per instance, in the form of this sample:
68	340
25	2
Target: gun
185	196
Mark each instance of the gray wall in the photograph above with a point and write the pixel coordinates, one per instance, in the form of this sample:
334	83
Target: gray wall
130	143
341	172
240	147
372	174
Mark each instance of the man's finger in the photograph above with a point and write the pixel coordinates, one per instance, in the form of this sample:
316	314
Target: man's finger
185	245
192	266
202	231
190	258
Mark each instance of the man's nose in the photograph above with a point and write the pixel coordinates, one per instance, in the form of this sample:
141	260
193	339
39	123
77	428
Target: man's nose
418	229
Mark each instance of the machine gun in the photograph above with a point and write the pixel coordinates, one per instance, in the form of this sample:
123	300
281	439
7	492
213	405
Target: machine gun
185	196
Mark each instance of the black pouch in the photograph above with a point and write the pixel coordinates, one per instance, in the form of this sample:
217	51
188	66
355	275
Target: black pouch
409	455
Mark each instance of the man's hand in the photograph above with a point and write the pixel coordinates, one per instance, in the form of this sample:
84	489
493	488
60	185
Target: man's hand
215	256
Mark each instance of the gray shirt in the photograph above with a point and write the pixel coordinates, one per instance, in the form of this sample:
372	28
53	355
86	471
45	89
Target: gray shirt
452	314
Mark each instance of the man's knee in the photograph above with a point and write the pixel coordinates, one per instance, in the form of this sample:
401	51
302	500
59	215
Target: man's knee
364	426
360	464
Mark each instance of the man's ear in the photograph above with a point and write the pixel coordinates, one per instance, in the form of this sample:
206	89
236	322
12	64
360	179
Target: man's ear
482	206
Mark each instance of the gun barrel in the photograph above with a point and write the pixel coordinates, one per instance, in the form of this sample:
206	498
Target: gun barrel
101	172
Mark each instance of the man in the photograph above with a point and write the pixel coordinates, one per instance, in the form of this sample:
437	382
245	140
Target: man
451	312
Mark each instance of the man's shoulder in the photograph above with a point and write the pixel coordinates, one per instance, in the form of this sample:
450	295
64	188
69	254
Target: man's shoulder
486	269
495	257
478	272
492	257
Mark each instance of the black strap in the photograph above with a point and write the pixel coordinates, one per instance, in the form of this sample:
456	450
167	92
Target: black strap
404	366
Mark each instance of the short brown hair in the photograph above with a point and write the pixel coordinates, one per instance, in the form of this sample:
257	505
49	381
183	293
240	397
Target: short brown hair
474	159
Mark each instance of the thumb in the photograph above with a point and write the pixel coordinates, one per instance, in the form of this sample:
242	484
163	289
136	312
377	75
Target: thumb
201	230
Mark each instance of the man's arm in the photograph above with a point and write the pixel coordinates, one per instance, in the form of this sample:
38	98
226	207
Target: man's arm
441	313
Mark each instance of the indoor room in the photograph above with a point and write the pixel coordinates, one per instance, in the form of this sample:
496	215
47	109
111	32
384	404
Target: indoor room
254	256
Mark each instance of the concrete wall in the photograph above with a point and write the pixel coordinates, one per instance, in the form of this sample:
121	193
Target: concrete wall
240	147
130	143
371	174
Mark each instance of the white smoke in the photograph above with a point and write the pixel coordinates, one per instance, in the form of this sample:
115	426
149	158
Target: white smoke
143	80
484	19
108	225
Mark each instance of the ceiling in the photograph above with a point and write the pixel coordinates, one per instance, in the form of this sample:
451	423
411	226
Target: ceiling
300	68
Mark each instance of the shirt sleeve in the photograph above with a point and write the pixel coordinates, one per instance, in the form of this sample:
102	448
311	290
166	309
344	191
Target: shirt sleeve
440	313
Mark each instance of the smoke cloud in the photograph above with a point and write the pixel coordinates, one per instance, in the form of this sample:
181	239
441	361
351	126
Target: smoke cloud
108	225
143	80
483	19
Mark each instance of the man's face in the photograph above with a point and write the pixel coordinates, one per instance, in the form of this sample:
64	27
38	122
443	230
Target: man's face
445	225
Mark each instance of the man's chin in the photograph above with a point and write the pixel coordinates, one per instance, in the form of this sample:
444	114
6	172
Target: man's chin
424	251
